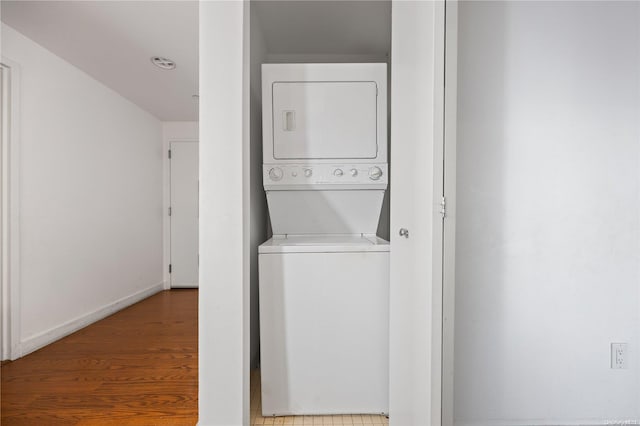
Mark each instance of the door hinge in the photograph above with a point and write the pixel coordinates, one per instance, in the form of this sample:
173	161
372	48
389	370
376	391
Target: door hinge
443	207
169	154
169	211
169	268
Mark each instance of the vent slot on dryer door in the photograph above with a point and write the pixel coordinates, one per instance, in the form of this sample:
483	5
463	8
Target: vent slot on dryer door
324	120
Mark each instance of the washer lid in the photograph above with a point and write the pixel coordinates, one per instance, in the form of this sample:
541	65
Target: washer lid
324	244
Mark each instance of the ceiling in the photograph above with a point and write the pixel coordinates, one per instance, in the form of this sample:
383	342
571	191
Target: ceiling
113	42
326	27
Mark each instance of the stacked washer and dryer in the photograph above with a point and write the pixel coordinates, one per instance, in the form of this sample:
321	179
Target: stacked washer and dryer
324	276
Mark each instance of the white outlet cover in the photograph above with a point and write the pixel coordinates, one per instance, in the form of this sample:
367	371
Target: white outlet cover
619	356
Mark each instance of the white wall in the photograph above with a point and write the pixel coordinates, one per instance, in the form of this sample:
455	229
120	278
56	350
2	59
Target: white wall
548	217
224	297
90	196
172	131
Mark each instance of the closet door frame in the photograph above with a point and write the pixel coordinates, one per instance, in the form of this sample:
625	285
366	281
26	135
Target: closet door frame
449	192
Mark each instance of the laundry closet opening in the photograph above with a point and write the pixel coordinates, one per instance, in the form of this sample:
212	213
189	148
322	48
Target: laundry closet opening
326	223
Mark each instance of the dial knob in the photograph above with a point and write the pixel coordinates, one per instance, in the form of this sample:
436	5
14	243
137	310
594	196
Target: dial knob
338	172
308	172
354	172
276	173
375	173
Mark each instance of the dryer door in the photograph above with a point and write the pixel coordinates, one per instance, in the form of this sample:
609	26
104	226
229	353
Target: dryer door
324	120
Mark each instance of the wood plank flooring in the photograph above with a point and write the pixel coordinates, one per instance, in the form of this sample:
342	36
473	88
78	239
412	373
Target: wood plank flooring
136	367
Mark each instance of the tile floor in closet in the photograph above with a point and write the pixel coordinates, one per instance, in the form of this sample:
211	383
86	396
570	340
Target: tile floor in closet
349	419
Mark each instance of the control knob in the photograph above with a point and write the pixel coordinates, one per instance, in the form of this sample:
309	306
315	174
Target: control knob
338	172
375	173
276	173
308	172
354	172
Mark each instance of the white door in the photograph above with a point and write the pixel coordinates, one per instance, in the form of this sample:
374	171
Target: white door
417	84
184	214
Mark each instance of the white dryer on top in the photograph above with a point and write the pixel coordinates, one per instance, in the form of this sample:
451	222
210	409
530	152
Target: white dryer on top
324	146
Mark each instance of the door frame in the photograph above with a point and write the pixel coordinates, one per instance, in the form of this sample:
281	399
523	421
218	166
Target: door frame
449	191
224	171
10	207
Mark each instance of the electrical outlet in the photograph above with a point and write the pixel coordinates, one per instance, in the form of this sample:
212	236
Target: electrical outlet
619	356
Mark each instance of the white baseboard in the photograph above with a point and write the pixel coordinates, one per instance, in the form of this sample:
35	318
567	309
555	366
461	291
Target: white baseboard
58	332
545	422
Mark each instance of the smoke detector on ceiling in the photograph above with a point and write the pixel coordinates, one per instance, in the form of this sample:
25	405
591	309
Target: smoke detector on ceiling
164	63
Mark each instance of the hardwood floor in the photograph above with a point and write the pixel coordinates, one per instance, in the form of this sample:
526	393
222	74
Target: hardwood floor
136	367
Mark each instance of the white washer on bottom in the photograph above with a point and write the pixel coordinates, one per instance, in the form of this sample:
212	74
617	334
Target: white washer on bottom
324	325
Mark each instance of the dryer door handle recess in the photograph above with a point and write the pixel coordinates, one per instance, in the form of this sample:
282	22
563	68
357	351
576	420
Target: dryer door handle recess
288	121
404	232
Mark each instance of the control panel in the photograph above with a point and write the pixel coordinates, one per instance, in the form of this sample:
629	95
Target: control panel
325	174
